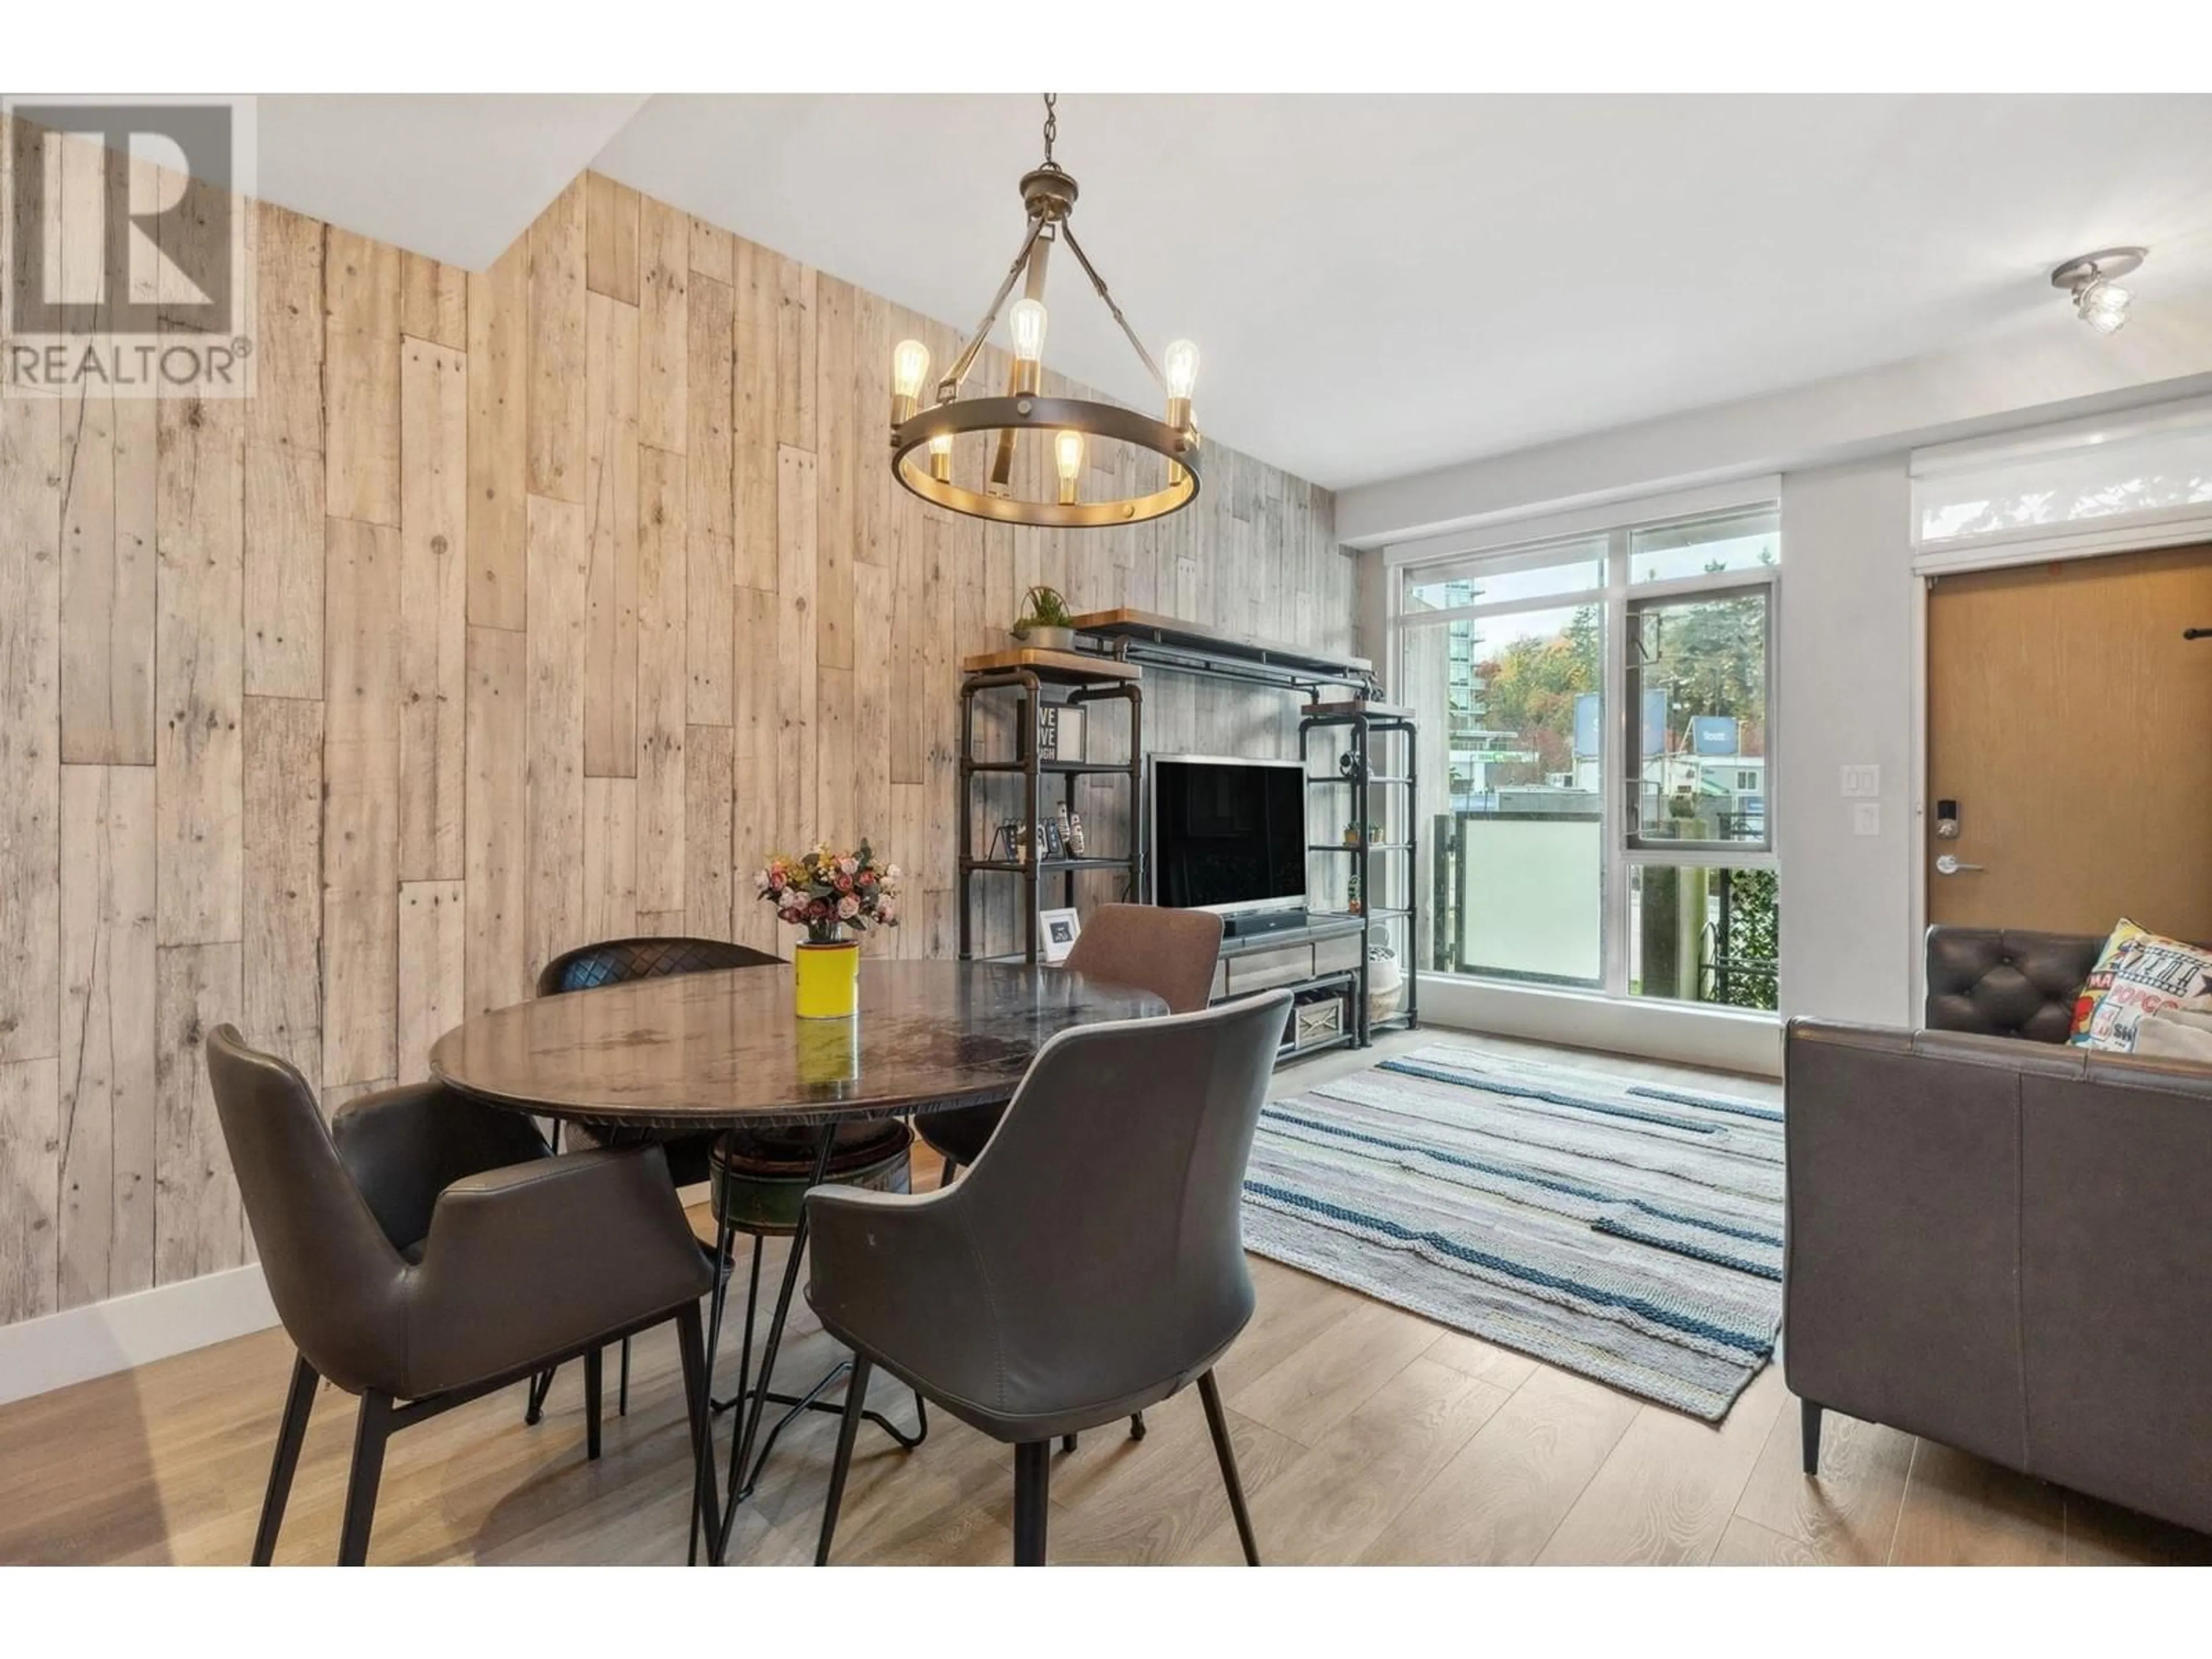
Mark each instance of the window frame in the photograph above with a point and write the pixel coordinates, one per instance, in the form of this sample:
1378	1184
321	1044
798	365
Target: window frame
1616	597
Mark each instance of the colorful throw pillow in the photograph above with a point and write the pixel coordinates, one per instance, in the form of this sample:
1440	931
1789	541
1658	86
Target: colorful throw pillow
2137	973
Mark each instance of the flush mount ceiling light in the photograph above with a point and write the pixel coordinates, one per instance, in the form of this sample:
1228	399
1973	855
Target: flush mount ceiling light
922	438
2099	301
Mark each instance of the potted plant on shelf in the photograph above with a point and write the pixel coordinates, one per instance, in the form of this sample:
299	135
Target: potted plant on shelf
832	894
1046	623
1356	832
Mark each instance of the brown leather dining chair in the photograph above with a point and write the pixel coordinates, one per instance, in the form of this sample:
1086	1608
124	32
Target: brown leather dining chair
1169	953
423	1249
1091	1264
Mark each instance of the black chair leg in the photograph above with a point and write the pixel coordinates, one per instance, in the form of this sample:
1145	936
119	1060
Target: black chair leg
298	1401
1210	1393
944	1176
622	1390
697	1393
371	1431
594	1368
533	1406
1032	1500
1808	1427
849	1428
1136	1426
1067	1442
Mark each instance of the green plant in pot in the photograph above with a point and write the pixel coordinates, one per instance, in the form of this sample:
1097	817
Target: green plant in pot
1046	623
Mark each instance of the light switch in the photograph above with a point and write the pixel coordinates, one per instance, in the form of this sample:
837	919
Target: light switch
1866	817
1862	780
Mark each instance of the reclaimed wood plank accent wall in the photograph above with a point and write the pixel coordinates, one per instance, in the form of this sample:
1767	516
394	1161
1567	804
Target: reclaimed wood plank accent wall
519	607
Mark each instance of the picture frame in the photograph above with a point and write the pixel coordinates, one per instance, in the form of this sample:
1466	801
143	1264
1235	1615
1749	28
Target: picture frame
1057	932
1056	728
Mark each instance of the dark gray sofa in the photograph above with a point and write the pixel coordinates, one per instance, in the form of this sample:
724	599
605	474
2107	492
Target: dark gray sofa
2001	1243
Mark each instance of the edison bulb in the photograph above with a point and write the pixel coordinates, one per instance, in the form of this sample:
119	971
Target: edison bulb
1026	319
1179	365
940	457
909	367
1067	456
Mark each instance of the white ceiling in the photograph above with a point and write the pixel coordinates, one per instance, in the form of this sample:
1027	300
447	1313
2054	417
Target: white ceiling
1378	284
456	177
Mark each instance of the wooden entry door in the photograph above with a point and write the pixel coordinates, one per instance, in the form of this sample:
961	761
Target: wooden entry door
2072	725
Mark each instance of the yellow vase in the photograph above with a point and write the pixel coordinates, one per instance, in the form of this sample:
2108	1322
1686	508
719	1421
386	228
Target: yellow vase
829	979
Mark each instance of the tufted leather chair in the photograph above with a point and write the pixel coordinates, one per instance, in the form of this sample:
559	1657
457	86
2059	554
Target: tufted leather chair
423	1249
2007	982
1125	1151
617	962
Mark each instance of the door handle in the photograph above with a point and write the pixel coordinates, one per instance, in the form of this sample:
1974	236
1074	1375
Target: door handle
1951	864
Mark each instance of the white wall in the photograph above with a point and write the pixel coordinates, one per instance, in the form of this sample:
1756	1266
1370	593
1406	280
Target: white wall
2056	369
1844	669
1845	638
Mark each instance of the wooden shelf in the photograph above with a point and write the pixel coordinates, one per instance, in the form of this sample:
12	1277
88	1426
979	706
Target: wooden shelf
1055	667
1354	847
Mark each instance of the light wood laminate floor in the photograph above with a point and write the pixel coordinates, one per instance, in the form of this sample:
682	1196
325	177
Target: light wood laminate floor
1365	1435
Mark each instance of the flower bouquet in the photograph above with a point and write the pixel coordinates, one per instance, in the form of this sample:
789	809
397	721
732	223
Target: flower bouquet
830	894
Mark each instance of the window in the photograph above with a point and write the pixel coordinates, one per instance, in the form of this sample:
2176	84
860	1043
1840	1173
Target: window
1696	708
1518	695
1538	573
1596	759
1705	547
2139	479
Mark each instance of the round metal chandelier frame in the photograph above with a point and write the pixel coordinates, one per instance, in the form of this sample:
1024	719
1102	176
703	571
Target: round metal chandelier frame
1048	194
1046	416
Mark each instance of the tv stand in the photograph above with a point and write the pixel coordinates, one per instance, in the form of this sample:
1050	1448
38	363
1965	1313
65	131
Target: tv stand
1318	959
1368	755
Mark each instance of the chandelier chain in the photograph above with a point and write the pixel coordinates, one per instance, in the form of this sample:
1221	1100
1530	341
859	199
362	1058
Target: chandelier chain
1051	124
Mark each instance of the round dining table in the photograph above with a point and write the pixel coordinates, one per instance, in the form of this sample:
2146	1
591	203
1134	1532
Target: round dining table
727	1051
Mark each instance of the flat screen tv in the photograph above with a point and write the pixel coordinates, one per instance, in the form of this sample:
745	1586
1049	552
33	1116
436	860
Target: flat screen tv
1227	835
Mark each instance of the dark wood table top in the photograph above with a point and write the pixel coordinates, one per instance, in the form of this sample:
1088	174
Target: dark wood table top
722	1051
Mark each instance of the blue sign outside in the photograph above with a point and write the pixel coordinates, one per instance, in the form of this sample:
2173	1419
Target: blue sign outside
1713	735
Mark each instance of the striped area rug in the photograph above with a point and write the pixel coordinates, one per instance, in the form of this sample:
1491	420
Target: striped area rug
1629	1232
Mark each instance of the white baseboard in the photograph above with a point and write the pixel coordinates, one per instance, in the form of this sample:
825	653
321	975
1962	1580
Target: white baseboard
52	1352
1729	1040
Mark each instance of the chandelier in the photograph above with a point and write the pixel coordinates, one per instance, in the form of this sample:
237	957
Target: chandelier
922	437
